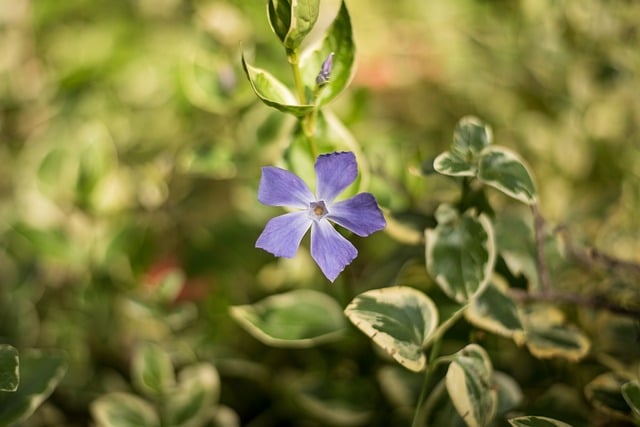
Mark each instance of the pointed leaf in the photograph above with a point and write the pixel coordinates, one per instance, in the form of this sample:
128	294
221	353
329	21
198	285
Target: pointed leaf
9	368
505	171
273	92
469	382
399	319
460	255
152	370
449	164
470	137
123	410
197	392
532	421
296	319
40	373
631	393
496	312
339	40
292	20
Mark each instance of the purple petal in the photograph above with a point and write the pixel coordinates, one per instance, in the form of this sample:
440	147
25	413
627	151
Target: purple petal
334	173
282	234
359	214
279	187
330	250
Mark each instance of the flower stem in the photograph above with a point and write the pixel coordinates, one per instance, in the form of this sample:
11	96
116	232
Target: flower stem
308	122
431	365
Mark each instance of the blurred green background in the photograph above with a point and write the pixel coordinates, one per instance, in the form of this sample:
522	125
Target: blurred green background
131	147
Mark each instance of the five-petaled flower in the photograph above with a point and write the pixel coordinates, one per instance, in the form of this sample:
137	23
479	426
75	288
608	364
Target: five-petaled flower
359	214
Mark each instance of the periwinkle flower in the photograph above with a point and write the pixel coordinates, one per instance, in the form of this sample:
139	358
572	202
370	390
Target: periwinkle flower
325	70
359	214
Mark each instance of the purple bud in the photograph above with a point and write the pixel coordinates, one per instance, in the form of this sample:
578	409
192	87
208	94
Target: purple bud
325	71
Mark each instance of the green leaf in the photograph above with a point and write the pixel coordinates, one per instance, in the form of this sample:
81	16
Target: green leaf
197	392
123	410
505	171
399	319
496	312
605	393
470	137
469	382
273	92
509	392
151	369
292	20
9	368
448	163
460	254
339	40
296	319
40	373
532	421
631	393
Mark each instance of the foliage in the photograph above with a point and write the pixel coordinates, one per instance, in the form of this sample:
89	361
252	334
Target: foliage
499	140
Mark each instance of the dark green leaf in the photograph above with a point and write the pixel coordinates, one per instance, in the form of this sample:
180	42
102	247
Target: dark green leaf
532	421
470	137
9	368
631	393
152	370
292	20
604	392
496	312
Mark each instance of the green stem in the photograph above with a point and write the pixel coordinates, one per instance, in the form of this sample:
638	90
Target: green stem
308	122
293	58
431	365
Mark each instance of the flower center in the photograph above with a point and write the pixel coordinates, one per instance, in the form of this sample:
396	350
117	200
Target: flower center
317	210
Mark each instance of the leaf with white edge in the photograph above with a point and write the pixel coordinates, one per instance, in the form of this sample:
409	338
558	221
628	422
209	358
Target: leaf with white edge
123	410
339	41
532	421
494	311
548	336
399	319
9	368
152	369
604	393
450	164
631	393
460	255
197	392
273	92
292	20
296	319
469	382
504	170
40	373
470	137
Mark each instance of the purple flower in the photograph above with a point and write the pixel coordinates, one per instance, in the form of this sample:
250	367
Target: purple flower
359	214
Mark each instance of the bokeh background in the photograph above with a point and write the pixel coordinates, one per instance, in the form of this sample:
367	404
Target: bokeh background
131	147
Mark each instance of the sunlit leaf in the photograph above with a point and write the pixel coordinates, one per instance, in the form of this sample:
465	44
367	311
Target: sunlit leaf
496	312
40	373
273	92
604	392
151	369
9	368
460	255
399	319
534	421
470	137
123	410
469	382
631	393
503	170
196	393
299	318
450	164
292	20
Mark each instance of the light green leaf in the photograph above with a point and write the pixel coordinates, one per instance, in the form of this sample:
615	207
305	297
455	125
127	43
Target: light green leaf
470	137
9	368
40	373
449	164
273	92
469	382
505	171
151	369
460	254
532	421
339	40
631	393
496	312
399	319
604	392
123	410
292	20
195	396
296	319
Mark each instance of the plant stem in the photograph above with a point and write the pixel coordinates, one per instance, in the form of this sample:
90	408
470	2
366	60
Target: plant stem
293	58
308	122
435	349
538	229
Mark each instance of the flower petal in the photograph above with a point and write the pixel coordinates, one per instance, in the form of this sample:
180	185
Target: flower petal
279	187
330	250
282	234
359	214
334	171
